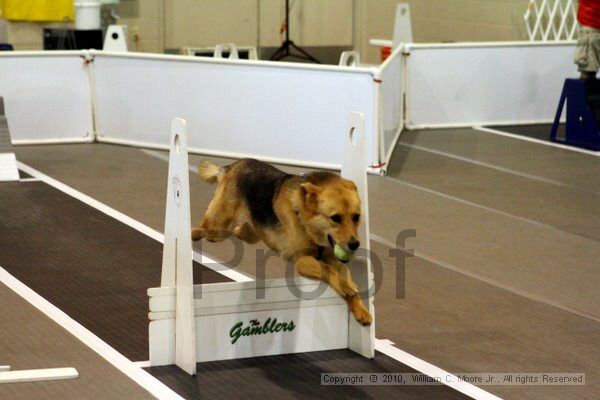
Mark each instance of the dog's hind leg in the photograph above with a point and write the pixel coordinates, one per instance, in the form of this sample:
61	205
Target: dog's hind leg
219	219
213	229
246	232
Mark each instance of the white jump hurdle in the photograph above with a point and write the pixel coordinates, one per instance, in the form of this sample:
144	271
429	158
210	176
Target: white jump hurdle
222	321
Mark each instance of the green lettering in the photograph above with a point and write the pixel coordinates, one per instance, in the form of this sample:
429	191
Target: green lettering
272	327
265	328
255	328
235	332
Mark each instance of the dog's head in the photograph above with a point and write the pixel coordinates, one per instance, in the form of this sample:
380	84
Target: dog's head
332	210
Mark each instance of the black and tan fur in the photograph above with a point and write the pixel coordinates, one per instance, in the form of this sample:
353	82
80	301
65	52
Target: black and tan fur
301	217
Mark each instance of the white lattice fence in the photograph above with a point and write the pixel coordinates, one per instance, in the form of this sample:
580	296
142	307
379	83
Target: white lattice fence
551	20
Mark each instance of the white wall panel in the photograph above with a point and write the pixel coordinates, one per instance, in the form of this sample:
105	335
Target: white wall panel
47	96
469	84
392	102
287	112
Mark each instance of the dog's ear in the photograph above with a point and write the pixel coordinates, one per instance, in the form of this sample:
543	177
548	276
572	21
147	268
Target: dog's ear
311	188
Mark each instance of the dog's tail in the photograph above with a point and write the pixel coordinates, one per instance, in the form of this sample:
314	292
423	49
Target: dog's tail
210	172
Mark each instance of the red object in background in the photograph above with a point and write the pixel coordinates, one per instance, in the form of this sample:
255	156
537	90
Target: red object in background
385	53
588	13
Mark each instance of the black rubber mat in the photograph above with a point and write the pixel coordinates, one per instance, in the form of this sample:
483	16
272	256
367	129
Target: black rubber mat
539	132
294	376
91	266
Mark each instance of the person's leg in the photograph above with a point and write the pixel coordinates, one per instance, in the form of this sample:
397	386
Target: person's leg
587	53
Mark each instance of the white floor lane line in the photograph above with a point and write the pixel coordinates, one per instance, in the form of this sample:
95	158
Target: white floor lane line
382	346
483	278
134	372
146	230
543	142
165	157
486	208
496	167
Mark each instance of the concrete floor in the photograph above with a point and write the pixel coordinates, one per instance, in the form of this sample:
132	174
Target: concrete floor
505	277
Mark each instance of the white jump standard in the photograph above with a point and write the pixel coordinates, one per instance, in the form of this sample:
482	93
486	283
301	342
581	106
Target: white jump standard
222	321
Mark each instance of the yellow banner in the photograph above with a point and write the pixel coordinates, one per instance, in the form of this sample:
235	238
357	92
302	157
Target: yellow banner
37	10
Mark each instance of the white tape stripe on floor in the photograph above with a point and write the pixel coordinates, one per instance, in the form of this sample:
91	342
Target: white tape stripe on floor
142	364
165	157
483	278
146	230
532	140
91	202
381	345
486	208
496	167
386	347
137	374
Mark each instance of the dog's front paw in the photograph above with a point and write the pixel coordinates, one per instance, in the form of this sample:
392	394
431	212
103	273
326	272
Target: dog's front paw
196	234
360	312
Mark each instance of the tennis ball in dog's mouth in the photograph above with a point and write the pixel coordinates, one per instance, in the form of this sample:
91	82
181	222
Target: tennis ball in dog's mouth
342	254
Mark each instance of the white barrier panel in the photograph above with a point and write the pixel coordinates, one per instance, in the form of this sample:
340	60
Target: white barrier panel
278	112
392	104
315	325
476	84
47	96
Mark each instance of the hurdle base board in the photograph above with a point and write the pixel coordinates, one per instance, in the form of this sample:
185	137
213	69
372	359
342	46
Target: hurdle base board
319	324
8	167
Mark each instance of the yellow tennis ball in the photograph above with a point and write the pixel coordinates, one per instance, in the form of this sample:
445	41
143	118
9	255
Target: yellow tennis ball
342	254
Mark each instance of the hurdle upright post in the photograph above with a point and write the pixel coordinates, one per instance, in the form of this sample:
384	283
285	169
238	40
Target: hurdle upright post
177	252
361	339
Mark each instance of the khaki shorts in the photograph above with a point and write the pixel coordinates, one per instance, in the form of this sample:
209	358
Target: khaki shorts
587	53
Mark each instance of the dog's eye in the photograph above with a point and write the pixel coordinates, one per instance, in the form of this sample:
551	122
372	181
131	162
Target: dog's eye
356	217
337	218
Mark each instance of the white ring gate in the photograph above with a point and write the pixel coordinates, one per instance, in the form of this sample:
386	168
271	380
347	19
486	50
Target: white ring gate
196	323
